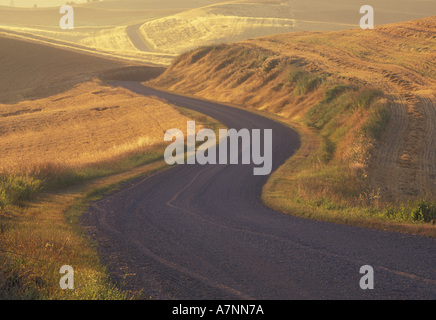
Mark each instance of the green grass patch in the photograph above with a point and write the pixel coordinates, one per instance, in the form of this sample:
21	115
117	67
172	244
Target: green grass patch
367	96
335	91
375	125
305	82
421	210
17	189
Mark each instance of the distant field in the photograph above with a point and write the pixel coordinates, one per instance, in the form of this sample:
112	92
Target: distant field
221	23
166	28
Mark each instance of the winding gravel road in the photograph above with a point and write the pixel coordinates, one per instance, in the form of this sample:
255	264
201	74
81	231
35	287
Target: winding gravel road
138	42
202	232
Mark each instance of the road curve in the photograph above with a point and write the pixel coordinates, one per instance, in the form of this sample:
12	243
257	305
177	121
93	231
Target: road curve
202	232
133	33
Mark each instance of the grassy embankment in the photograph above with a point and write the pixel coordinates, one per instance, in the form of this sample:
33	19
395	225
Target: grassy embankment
340	118
82	145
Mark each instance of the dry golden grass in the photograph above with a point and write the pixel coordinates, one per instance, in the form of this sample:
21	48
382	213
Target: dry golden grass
85	125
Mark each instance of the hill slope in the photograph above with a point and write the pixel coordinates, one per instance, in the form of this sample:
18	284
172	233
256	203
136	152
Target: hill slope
342	84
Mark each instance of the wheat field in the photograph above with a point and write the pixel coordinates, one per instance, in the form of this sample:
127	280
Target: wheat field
88	124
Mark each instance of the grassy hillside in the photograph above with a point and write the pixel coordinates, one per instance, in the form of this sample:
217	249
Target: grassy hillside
364	102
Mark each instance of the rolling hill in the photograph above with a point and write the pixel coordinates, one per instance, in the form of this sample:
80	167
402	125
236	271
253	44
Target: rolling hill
342	85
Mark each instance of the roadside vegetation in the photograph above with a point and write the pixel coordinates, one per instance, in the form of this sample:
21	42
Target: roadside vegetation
40	232
330	182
